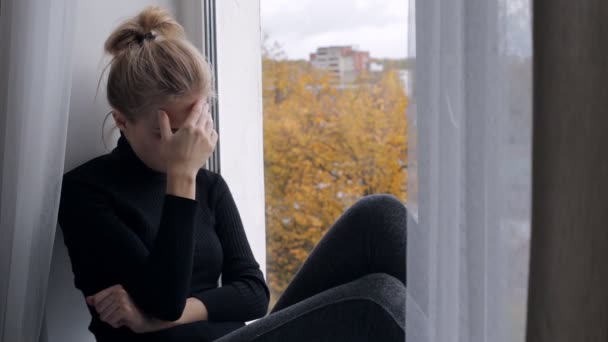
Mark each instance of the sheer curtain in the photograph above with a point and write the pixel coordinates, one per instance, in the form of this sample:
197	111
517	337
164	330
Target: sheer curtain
35	78
470	160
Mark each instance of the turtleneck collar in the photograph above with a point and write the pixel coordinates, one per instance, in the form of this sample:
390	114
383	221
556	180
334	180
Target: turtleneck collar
125	151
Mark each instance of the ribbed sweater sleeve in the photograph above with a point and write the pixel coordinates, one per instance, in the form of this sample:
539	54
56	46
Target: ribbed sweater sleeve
244	295
98	241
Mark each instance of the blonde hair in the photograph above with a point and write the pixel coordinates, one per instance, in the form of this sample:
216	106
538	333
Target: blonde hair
152	62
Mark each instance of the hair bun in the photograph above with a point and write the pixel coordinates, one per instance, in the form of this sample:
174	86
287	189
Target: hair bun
147	36
151	23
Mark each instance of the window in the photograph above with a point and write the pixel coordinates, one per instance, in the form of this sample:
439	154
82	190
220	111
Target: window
333	132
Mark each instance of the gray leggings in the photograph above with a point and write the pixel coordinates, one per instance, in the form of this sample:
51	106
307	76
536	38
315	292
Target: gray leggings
351	287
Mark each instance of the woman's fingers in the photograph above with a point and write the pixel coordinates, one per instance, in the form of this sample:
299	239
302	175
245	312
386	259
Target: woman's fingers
191	145
207	121
99	296
209	126
214	136
164	124
206	124
205	115
105	315
105	304
113	305
196	112
115	318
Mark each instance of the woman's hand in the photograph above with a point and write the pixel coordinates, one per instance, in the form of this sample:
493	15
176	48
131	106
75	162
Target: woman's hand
115	307
188	149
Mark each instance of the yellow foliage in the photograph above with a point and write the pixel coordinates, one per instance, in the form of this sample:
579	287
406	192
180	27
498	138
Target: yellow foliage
324	148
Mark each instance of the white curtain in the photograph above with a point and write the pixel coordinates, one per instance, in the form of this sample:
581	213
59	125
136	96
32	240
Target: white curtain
35	78
470	161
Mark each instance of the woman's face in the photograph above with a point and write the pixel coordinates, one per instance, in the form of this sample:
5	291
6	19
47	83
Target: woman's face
144	134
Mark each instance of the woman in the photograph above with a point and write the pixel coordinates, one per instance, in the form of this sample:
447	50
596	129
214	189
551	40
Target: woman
149	232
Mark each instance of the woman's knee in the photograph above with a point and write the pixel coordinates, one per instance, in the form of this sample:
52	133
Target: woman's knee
379	285
381	204
380	211
376	289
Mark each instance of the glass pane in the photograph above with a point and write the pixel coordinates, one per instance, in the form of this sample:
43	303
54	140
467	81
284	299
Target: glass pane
335	99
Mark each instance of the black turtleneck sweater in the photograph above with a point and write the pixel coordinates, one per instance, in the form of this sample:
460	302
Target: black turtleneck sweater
120	227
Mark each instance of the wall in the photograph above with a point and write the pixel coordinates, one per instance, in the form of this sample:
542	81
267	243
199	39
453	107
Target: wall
240	106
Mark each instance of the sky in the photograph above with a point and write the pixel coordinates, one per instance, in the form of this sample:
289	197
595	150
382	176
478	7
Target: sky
300	26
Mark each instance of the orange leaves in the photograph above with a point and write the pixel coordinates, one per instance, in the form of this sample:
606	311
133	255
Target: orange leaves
325	147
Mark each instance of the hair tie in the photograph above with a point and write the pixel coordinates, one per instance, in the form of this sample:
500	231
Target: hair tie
147	36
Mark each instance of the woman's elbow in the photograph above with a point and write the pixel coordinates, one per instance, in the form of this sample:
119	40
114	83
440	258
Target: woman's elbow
169	310
260	309
260	313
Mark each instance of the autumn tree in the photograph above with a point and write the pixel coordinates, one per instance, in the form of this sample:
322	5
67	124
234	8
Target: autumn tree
325	146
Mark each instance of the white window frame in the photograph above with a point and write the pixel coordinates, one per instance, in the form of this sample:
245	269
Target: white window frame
230	35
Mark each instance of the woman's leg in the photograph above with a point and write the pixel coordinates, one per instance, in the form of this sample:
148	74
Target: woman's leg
370	237
371	308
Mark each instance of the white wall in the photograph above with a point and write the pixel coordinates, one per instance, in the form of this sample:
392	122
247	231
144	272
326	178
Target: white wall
240	108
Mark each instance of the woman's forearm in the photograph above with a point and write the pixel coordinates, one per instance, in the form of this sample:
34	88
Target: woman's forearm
194	311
